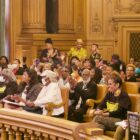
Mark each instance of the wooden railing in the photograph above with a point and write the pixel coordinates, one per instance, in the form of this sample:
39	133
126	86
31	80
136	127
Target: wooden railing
21	125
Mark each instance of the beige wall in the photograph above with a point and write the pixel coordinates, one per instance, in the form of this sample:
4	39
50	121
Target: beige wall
106	22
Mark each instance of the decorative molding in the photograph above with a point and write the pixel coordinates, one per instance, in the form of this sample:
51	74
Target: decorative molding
121	18
135	7
33	18
96	25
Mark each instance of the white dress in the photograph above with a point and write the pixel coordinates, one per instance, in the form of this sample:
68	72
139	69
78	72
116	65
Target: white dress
50	93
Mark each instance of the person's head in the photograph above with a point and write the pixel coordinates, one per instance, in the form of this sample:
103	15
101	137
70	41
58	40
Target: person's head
115	58
94	48
97	62
103	64
3	61
30	76
132	61
114	83
130	70
79	43
86	64
109	70
65	72
92	72
16	63
86	75
48	43
48	76
74	60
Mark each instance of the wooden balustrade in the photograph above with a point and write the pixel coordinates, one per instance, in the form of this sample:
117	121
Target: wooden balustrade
19	125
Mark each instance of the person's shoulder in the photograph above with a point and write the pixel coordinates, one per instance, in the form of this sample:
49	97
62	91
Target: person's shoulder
38	85
123	94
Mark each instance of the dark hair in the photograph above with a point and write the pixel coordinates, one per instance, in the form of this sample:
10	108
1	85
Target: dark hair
7	61
115	56
34	78
49	40
95	45
105	62
117	79
17	60
86	60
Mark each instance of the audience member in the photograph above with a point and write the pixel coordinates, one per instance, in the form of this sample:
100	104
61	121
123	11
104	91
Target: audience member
50	54
17	69
49	93
83	91
130	73
95	54
28	90
78	51
114	106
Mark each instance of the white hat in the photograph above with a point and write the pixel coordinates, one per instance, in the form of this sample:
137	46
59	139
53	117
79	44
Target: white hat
50	74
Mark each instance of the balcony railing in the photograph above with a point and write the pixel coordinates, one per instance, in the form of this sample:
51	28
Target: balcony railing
21	125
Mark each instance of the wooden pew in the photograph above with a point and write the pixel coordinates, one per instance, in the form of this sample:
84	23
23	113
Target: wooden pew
131	87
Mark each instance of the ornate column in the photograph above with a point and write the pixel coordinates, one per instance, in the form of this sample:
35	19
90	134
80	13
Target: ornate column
66	16
2	29
33	19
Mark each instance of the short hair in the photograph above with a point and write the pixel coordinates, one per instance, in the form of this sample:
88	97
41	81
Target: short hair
79	40
49	40
115	56
95	45
116	78
17	60
131	65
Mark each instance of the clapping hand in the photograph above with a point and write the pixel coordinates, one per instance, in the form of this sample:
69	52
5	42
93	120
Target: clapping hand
29	103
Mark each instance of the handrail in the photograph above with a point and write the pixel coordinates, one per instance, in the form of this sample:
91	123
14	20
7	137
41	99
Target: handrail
38	125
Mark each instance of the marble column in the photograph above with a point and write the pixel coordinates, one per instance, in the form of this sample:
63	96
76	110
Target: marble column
2	27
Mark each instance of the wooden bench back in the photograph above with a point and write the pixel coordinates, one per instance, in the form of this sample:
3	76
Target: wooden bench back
130	87
65	98
135	101
101	91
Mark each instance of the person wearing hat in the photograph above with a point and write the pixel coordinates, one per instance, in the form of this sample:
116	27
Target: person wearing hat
49	93
78	51
50	54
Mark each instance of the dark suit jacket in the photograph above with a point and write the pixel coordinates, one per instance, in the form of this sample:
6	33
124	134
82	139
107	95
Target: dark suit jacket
90	92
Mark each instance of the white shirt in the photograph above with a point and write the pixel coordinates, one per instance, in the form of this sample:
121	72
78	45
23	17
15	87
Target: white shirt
50	93
63	83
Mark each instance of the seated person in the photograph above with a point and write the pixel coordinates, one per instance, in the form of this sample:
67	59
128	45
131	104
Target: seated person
4	69
7	86
114	106
28	89
49	93
130	73
17	69
78	50
64	75
95	53
87	89
122	131
50	54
